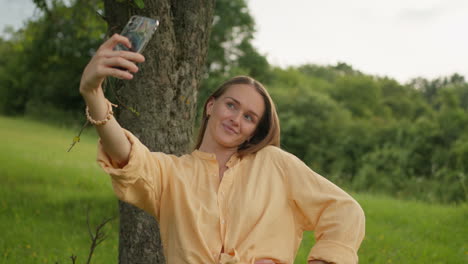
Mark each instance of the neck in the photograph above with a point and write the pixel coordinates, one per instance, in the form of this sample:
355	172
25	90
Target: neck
222	154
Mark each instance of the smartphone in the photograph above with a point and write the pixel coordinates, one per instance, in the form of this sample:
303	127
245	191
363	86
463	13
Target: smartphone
139	31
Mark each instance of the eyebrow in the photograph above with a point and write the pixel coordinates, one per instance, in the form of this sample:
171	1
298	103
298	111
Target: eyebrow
237	102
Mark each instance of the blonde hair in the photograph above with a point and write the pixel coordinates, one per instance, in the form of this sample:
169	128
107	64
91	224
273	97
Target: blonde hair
268	129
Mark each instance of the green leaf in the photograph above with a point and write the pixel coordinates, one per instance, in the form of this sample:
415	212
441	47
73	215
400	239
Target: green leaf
134	111
140	4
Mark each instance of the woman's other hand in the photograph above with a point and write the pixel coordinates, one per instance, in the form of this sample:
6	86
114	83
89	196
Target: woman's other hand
108	62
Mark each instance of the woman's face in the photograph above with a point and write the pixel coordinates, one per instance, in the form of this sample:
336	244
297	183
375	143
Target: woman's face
234	116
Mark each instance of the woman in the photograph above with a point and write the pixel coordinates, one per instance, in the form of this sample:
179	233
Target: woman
237	198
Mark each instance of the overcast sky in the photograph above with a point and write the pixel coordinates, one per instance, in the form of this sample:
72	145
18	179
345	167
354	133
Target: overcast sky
397	38
401	39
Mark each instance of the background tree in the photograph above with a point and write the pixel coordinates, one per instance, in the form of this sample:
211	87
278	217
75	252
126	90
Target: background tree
43	61
231	51
164	93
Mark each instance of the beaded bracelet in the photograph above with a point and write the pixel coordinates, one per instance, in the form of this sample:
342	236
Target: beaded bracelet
110	113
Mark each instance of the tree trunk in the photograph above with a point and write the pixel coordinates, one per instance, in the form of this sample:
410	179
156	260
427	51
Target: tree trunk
164	93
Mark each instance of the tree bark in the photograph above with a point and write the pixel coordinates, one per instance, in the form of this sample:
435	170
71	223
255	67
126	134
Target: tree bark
164	93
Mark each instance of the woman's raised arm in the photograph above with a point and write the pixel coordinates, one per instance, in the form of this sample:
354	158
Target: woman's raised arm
107	62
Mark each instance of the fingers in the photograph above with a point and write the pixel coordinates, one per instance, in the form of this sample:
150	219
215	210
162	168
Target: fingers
114	40
120	62
117	73
129	55
108	62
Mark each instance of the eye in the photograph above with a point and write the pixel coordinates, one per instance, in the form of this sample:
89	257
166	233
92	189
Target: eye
248	118
230	105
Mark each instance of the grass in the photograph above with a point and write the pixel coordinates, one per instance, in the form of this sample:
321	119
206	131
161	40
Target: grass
45	192
399	231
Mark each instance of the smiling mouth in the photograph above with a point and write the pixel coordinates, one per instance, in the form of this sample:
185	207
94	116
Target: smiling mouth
228	128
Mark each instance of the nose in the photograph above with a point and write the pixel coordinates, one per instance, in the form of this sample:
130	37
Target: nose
235	118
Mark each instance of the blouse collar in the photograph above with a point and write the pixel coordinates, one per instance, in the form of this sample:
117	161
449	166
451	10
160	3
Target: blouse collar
204	155
212	157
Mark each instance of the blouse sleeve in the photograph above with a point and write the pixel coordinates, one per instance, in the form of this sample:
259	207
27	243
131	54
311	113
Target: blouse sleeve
337	219
142	180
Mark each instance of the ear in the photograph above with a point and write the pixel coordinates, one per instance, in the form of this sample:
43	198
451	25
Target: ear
209	106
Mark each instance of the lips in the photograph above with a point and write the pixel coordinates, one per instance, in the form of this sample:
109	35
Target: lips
230	129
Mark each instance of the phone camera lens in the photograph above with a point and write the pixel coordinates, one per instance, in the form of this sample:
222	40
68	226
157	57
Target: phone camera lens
132	25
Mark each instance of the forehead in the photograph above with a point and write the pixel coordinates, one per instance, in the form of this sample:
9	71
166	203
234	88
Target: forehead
248	97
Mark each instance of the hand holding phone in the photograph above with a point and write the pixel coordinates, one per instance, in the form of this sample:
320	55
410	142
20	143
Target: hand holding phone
106	62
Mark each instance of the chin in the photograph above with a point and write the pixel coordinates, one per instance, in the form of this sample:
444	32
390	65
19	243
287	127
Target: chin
229	143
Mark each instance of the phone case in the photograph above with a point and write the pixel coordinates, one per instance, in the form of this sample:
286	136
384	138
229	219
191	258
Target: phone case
138	30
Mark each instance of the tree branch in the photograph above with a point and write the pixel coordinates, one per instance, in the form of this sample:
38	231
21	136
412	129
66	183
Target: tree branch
98	237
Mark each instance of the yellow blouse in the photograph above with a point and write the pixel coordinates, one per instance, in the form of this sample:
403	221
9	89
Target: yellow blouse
258	210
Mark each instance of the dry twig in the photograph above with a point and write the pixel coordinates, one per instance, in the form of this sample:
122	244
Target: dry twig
73	258
98	237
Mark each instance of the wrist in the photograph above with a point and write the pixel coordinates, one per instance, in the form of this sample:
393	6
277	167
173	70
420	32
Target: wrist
108	116
89	95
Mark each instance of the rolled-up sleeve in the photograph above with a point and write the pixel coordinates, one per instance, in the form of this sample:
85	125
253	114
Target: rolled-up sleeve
142	180
337	219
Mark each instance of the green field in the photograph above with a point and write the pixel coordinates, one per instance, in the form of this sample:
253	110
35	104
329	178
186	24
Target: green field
45	193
